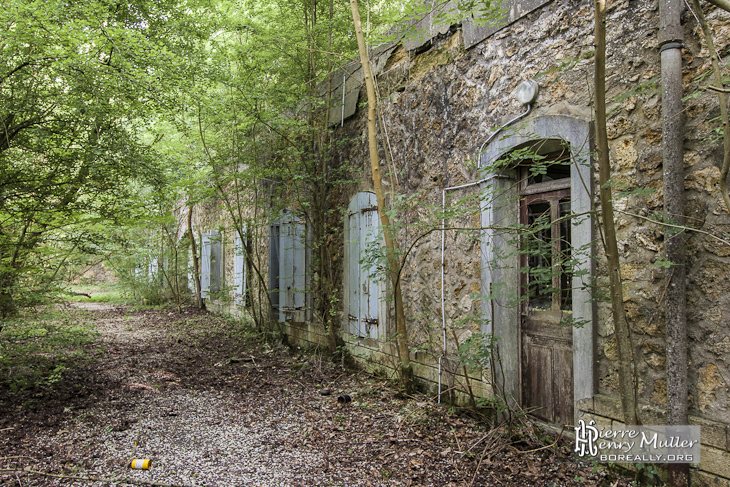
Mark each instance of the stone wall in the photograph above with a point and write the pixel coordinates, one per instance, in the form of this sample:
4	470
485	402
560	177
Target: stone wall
440	101
438	107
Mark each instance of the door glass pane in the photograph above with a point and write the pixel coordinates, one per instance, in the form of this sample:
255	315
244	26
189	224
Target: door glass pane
547	244
539	256
566	264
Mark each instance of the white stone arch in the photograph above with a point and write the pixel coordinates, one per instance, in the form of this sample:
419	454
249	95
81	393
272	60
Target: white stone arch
499	189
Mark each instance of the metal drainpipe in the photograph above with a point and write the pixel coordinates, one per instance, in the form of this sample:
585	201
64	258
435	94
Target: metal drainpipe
443	231
671	37
344	86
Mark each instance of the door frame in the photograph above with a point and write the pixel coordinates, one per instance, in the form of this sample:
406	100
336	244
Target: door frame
499	206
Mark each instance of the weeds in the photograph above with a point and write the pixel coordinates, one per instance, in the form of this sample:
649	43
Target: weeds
36	349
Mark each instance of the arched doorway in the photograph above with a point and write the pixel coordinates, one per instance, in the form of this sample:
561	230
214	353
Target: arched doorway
546	365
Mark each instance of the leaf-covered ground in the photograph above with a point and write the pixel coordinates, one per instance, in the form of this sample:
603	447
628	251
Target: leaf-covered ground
211	405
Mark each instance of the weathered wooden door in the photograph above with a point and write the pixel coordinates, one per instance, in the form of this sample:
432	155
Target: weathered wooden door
546	331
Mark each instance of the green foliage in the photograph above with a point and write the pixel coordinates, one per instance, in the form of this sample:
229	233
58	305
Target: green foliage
79	84
152	268
476	351
647	474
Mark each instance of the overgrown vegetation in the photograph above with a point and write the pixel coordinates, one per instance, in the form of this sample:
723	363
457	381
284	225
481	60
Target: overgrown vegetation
36	347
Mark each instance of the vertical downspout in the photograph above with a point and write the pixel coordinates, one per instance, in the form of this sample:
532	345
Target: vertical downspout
670	52
344	86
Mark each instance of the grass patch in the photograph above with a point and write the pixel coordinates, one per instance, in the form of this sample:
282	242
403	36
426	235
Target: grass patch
107	293
36	348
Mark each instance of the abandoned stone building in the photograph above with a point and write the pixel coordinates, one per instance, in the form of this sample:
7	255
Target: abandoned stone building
465	112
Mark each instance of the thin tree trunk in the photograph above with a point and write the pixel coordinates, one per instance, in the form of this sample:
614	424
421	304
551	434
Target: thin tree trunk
722	97
626	362
196	264
325	267
406	373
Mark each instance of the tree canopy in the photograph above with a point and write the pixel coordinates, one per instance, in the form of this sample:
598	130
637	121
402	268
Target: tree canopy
79	85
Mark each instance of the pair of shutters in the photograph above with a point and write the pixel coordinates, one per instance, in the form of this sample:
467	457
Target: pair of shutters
287	268
363	284
211	264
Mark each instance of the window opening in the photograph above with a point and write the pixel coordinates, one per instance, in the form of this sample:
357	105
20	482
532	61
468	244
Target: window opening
547	251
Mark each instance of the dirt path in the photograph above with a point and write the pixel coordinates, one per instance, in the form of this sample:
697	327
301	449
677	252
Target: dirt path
213	407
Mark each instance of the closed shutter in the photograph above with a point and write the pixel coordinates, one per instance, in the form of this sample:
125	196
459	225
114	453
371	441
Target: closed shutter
216	262
274	252
154	269
353	315
205	245
368	279
292	266
239	268
363	283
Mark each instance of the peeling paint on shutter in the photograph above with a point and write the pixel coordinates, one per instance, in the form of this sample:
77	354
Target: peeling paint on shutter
354	267
369	282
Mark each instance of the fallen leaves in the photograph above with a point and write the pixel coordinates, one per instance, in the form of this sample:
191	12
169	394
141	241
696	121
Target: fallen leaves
212	399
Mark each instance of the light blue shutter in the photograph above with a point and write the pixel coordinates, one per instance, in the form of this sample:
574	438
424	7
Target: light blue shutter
286	259
298	270
239	268
216	262
292	263
353	317
153	270
368	280
363	284
205	246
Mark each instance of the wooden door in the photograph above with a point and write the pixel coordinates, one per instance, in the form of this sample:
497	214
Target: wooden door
546	332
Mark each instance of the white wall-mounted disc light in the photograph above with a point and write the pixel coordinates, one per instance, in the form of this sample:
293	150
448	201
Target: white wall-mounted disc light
527	91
